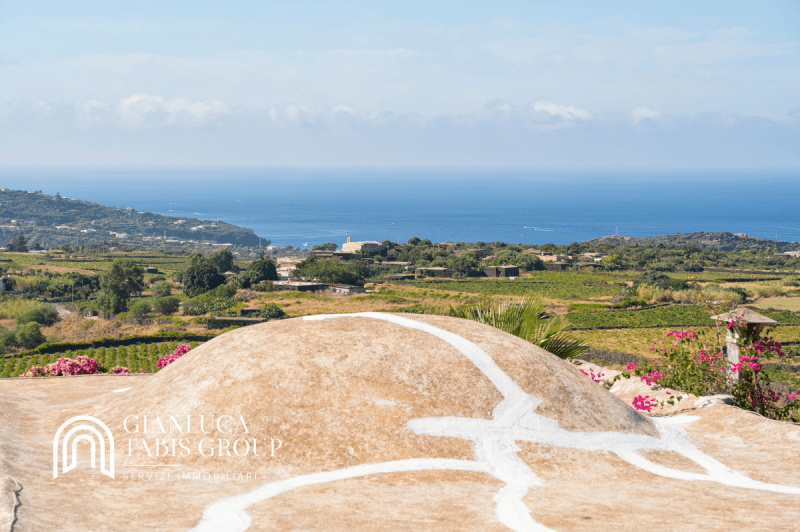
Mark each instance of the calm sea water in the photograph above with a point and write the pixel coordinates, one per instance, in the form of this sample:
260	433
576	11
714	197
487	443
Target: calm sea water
295	207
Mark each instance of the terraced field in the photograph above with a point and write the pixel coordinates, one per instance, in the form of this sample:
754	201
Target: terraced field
138	358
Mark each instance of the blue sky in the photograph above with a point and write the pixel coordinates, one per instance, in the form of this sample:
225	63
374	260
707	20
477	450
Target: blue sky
475	84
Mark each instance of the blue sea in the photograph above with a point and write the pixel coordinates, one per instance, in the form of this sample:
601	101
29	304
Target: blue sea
296	207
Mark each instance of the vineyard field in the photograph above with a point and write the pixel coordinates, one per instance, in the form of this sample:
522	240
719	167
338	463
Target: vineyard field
137	358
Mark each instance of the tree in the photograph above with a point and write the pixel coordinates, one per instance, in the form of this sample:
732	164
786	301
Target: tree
259	270
414	241
42	314
167	305
332	271
118	283
200	278
469	265
222	259
161	289
19	244
330	246
139	308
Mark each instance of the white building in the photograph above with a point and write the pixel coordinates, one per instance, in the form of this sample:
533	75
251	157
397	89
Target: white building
365	247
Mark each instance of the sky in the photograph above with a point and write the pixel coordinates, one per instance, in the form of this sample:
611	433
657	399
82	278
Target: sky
500	84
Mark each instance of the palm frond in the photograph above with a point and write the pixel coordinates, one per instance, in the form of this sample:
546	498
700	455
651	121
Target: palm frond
526	318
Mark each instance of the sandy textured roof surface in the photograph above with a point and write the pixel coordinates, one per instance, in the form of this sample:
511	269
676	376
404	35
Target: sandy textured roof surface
389	422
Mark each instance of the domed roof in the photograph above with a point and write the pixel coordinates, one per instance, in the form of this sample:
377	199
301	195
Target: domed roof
383	422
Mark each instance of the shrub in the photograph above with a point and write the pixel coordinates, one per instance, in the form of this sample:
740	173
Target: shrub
262	269
66	366
140	308
628	303
161	289
693	366
167	305
199	278
693	268
272	311
41	314
224	290
29	335
654	293
526	318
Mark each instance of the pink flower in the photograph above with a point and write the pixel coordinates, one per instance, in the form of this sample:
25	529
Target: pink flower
631	365
643	403
652	377
178	353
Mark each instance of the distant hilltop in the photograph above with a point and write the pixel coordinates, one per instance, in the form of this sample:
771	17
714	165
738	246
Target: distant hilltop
717	241
51	221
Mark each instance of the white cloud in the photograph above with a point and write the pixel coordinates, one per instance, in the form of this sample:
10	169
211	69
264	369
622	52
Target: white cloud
147	111
642	113
567	112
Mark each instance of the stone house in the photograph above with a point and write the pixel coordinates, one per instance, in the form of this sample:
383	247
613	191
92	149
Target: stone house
480	253
436	271
346	289
365	247
502	271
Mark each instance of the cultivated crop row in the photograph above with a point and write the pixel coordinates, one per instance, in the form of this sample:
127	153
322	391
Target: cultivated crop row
139	358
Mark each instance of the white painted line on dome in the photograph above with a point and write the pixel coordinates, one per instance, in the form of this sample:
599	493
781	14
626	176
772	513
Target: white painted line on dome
230	515
475	354
121	390
496	449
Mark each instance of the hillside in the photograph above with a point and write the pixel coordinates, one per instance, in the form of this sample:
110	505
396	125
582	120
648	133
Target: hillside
51	221
716	241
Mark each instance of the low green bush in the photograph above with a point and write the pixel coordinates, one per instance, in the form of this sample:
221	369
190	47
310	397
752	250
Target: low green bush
41	314
271	311
140	308
167	305
161	289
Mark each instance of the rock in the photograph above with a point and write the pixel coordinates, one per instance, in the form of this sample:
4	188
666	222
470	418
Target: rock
711	400
386	422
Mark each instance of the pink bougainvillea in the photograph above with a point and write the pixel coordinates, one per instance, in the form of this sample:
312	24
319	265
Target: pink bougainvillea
651	377
65	366
119	369
181	350
595	377
644	403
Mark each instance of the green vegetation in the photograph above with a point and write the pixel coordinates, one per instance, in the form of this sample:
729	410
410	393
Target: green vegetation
526	319
41	314
200	277
141	357
257	272
332	271
27	335
52	221
167	305
551	285
676	315
118	283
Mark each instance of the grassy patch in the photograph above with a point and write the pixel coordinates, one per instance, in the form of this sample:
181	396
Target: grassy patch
670	315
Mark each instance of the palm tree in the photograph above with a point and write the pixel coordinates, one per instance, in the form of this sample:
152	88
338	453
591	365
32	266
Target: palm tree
526	318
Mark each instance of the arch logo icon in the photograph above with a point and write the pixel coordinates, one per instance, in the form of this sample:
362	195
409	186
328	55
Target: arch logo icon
76	430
